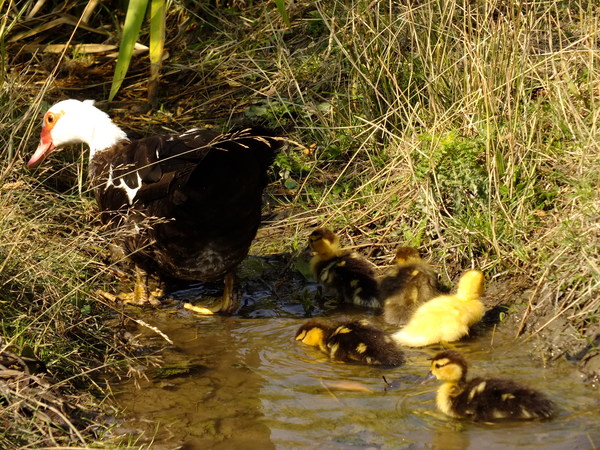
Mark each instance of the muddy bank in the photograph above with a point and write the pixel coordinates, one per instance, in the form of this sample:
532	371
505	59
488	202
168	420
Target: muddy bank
531	314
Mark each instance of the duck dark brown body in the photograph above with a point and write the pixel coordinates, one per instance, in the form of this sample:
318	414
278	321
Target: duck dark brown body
191	203
484	399
187	206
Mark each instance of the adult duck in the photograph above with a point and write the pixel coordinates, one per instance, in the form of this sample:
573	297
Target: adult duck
187	205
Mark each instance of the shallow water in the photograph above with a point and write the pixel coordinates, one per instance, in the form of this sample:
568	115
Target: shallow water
250	383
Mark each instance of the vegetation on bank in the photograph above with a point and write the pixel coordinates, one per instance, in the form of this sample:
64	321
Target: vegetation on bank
467	129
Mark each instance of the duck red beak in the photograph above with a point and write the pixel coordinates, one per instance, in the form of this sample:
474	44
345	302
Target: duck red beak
44	149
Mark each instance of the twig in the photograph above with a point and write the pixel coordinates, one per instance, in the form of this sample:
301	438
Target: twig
329	391
156	330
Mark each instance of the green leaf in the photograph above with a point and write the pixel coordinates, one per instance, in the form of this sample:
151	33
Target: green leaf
284	15
131	30
290	183
158	14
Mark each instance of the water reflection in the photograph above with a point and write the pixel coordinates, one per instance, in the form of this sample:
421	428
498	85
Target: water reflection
254	385
216	406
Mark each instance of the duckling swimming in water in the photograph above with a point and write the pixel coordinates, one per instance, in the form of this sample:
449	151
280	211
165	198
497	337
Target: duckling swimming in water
483	399
406	286
445	318
353	342
345	273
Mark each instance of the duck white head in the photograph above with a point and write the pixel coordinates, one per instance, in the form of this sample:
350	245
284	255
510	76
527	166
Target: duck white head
75	122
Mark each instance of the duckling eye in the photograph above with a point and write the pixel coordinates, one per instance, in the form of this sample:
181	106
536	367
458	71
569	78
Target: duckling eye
437	365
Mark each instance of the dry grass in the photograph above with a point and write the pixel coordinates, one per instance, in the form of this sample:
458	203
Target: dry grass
468	130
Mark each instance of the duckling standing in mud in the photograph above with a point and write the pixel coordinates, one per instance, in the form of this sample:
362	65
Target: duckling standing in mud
343	273
483	399
445	318
410	283
352	342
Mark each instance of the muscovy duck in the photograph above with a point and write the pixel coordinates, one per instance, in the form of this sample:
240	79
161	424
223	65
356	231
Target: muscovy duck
187	205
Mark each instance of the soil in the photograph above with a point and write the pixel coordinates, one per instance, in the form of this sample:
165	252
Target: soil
553	336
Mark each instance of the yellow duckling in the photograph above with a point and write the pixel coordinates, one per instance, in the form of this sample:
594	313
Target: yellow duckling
354	342
483	399
446	318
406	286
343	273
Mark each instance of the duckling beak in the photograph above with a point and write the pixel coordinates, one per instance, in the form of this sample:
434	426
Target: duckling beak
429	378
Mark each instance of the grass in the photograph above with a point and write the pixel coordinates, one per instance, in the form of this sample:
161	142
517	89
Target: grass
48	310
59	344
469	130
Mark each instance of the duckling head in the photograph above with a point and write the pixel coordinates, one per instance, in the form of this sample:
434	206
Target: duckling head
449	366
323	241
315	333
471	285
406	255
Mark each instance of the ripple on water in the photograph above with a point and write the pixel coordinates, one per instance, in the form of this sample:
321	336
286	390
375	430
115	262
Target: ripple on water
259	386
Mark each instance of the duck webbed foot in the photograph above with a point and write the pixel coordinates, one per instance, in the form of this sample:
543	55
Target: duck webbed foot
141	295
229	304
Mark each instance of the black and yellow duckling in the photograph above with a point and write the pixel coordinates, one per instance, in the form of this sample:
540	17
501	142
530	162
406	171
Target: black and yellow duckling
353	342
410	283
341	272
446	318
483	399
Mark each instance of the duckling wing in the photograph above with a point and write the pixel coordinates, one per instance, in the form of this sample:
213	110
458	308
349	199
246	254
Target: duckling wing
362	343
472	311
353	279
440	319
492	399
404	288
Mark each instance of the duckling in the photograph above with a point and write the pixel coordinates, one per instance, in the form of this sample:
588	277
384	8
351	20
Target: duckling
445	318
353	342
409	284
483	399
346	274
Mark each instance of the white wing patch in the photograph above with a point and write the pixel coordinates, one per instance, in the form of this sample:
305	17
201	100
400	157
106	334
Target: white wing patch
131	192
189	132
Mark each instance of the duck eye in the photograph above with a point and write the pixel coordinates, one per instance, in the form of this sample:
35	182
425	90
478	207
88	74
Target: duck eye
50	118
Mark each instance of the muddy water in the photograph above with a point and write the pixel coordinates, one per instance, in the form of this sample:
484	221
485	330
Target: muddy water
247	383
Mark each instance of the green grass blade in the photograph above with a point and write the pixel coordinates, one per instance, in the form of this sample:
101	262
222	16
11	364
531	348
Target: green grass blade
158	14
284	15
131	30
